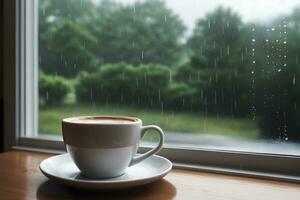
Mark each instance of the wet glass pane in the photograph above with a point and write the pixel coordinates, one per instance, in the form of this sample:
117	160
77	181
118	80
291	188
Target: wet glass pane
219	74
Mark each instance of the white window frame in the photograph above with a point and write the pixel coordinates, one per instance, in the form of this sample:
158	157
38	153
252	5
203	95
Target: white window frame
21	110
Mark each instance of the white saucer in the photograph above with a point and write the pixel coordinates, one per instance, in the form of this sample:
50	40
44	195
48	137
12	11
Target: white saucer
62	170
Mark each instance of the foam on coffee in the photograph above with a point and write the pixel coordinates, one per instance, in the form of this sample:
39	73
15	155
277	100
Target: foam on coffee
102	120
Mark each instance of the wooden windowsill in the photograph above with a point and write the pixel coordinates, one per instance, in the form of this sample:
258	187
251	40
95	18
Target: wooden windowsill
20	178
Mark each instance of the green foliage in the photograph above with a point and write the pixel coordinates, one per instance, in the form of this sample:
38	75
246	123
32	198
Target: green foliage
80	35
180	96
219	38
123	83
67	50
277	88
218	67
53	89
146	32
151	83
218	75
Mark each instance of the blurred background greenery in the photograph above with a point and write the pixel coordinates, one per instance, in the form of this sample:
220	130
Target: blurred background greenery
227	77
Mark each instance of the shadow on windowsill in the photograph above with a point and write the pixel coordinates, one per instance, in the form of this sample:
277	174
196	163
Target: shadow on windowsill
161	189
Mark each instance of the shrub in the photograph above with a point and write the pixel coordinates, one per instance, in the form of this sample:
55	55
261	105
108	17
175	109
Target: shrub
122	83
113	82
53	89
151	83
180	96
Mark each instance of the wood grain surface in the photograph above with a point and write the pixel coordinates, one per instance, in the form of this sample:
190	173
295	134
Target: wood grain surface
20	178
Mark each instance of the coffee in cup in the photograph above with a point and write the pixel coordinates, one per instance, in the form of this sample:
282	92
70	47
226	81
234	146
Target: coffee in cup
104	146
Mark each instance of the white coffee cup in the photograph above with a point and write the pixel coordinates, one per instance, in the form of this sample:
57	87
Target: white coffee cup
104	146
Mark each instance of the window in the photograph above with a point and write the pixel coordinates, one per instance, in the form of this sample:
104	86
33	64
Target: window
211	75
220	79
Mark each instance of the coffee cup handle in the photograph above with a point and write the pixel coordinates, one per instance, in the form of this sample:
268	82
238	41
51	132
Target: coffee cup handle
144	129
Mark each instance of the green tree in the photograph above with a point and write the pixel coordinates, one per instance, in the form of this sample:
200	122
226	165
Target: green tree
145	32
122	83
53	89
217	67
66	44
278	91
66	49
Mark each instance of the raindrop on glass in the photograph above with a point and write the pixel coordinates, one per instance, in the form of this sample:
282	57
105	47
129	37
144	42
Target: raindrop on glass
170	76
158	95
294	80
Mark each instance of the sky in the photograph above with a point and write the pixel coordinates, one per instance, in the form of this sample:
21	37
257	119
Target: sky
250	10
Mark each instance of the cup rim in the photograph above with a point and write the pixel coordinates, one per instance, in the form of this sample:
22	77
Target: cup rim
130	120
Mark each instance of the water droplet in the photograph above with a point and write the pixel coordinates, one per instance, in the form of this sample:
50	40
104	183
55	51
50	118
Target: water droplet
253	40
284	64
284	42
273	29
279	70
267	40
286	139
277	40
253	49
242	57
253	61
294	80
252	72
253	29
158	95
267	30
268	56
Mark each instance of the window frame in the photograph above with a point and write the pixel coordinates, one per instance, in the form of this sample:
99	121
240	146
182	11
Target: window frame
21	111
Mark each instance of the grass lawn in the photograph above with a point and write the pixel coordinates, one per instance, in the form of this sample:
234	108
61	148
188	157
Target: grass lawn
50	120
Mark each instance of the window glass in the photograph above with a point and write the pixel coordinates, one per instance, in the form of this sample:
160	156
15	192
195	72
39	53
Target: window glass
213	74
